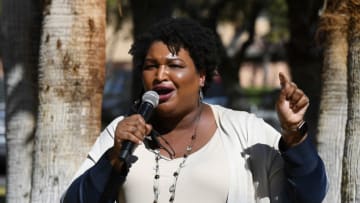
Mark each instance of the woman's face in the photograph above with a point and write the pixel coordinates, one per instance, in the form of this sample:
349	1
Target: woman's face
173	77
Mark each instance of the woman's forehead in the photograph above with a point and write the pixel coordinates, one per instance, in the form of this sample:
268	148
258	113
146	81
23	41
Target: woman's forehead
160	48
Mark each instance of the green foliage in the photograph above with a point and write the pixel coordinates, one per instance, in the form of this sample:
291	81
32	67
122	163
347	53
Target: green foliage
233	11
117	11
277	12
111	4
255	95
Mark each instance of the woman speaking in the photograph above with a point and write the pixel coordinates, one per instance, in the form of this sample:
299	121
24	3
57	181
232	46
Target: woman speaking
192	152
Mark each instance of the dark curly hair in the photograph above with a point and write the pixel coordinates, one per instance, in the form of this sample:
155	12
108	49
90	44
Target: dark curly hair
178	33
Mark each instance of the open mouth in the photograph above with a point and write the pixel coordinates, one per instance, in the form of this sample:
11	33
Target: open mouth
164	92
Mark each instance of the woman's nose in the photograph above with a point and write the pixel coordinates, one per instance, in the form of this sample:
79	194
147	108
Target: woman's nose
162	72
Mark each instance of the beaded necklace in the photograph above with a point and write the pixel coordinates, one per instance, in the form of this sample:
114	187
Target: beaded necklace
176	174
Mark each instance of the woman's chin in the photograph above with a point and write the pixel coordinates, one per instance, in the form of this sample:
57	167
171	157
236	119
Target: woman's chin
166	107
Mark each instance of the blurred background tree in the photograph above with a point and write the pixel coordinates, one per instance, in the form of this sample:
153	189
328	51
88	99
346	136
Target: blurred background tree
54	58
20	40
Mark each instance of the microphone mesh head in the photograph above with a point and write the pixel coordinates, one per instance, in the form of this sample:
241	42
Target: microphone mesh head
151	97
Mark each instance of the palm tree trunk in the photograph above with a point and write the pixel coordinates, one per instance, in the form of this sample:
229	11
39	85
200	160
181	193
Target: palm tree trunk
72	64
351	162
333	114
21	21
333	106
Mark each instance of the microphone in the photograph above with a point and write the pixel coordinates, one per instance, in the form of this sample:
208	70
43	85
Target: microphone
150	100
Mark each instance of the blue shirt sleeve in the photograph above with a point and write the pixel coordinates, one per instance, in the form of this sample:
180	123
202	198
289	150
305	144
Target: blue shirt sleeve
100	183
305	173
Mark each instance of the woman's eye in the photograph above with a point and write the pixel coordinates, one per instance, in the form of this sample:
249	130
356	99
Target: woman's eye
175	66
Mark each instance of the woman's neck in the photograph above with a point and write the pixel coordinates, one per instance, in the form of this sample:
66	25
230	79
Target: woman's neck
166	124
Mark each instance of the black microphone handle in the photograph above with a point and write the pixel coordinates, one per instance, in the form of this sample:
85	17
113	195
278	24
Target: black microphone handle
145	110
127	147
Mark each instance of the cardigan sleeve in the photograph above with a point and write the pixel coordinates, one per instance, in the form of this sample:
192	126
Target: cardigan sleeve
305	173
100	183
92	182
296	174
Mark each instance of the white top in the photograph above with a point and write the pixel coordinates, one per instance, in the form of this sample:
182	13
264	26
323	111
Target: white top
251	150
204	178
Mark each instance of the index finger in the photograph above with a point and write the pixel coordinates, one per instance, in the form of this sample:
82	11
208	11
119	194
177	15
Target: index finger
283	80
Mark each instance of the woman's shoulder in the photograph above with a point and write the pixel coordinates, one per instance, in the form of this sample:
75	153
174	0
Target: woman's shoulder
232	114
252	127
235	121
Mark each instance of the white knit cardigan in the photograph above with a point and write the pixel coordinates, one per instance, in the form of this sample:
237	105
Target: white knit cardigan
251	145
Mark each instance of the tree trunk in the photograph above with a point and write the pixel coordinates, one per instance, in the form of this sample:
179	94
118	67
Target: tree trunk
21	21
351	162
333	106
72	63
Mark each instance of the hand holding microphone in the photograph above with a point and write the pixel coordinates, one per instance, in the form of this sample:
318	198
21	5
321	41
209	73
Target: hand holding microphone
133	129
